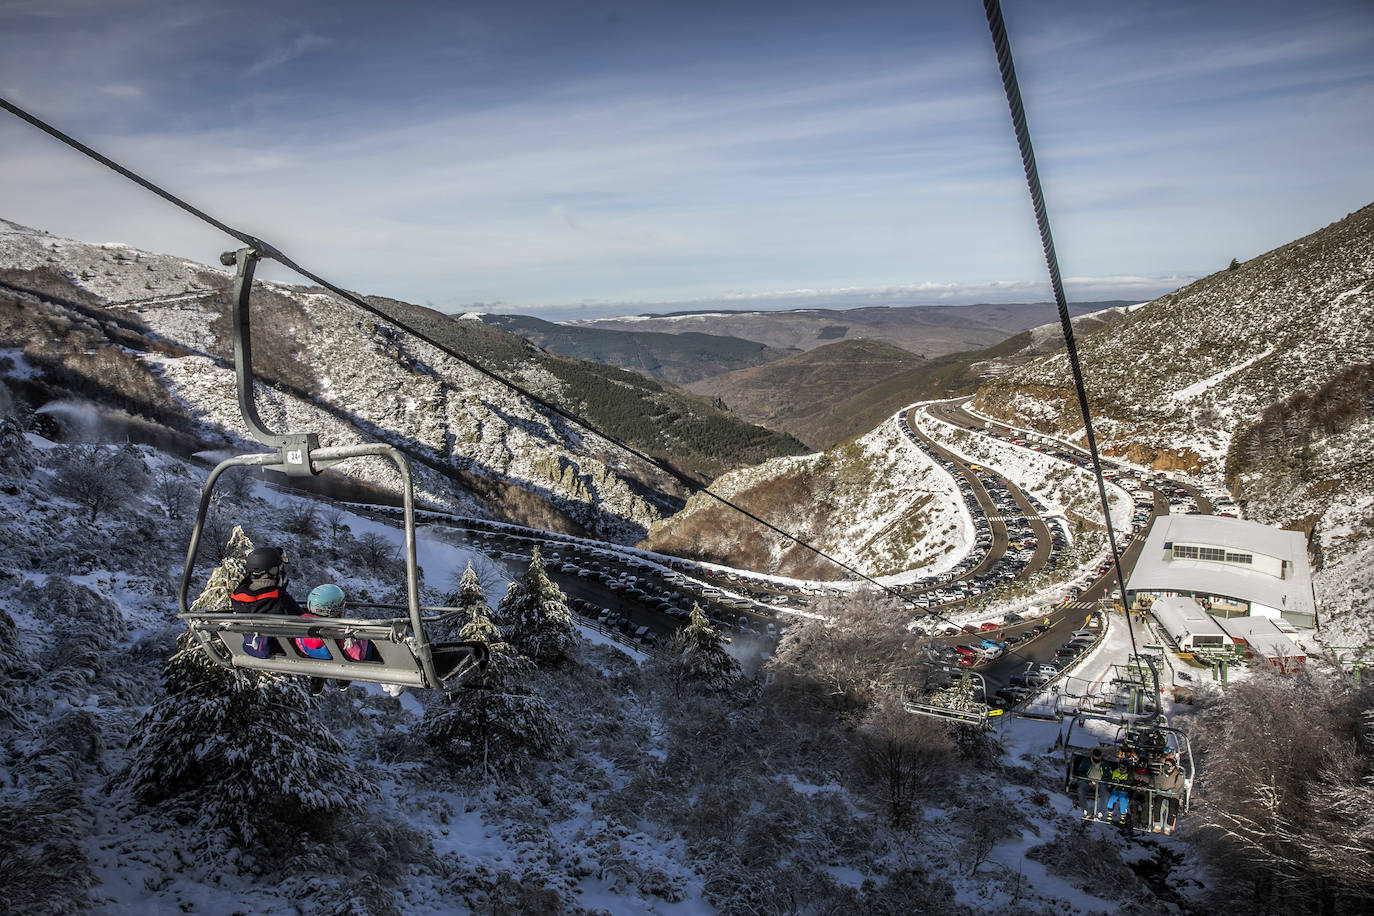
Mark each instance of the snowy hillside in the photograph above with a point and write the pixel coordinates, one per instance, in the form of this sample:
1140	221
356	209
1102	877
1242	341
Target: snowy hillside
1253	373
347	376
654	798
876	502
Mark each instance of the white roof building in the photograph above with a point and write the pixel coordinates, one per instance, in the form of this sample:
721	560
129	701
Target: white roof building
1240	565
1189	626
1264	639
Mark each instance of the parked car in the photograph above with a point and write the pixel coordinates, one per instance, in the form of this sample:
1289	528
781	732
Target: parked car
988	626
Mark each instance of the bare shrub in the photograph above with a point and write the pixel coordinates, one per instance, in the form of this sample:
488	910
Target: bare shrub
904	757
335	522
97	478
377	554
174	491
301	518
844	663
1285	788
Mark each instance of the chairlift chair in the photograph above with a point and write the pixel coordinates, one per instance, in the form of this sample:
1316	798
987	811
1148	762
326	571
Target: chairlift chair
959	695
402	653
1148	740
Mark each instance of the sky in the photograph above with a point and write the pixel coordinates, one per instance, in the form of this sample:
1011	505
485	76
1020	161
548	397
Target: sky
599	158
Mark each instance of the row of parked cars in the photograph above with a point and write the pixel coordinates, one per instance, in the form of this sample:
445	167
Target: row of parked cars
618	621
990	648
954	584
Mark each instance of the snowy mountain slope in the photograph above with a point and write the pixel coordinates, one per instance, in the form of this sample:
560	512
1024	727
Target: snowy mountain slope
350	377
1175	379
1184	383
658	802
876	502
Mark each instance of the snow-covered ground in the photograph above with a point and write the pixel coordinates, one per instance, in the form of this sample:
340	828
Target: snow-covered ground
877	503
1063	487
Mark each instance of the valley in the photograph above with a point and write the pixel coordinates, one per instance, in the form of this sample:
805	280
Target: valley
974	582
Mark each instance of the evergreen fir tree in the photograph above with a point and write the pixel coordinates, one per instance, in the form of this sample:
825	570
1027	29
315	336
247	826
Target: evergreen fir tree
471	596
502	722
236	749
233	749
698	652
534	616
215	596
470	601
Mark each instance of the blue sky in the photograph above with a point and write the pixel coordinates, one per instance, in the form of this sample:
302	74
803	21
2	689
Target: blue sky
573	160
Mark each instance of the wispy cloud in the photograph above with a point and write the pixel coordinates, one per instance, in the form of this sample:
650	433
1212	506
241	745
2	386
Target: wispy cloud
122	91
495	160
302	45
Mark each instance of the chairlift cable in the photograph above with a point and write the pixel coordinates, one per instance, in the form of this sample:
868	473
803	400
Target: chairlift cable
267	250
1002	45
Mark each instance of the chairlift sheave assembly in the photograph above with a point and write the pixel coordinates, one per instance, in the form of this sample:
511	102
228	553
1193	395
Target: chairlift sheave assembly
402	653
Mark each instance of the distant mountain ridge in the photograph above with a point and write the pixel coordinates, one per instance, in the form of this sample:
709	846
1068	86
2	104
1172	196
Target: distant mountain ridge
926	330
828	394
677	358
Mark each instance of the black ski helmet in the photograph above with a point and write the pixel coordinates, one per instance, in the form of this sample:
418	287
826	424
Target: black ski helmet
264	560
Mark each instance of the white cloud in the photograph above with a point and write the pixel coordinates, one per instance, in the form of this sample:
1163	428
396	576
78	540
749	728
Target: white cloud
122	91
303	44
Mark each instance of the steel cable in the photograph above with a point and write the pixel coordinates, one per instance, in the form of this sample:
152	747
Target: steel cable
1002	45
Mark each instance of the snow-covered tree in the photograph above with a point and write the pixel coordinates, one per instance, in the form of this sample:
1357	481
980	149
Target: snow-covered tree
471	597
470	602
227	748
236	749
234	550
502	721
98	479
534	616
696	655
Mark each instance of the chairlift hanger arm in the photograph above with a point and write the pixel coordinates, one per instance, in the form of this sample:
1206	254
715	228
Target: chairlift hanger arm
296	448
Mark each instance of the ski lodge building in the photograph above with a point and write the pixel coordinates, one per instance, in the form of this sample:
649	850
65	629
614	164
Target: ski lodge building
1190	627
1231	567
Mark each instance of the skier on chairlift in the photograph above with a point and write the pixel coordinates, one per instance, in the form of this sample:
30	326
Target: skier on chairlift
328	601
263	591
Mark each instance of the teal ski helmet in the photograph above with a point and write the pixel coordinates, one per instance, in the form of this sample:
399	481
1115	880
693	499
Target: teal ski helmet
325	601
